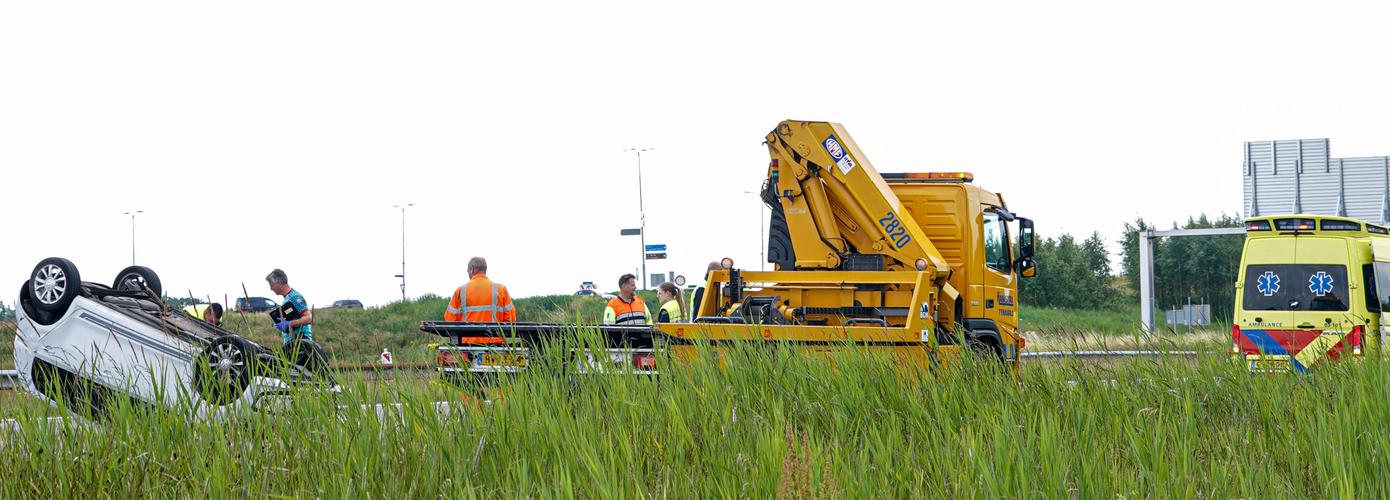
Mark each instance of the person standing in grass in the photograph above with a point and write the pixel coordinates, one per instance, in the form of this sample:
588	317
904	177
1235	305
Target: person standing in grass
672	304
481	300
627	308
291	329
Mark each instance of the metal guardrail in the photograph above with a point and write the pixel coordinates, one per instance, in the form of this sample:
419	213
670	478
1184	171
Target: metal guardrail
9	379
1104	354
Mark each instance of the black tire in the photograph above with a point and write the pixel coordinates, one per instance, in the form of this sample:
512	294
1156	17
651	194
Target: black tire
27	304
137	278
223	371
985	350
53	284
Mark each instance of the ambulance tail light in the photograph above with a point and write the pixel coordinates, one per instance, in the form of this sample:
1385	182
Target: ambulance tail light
1356	334
1235	339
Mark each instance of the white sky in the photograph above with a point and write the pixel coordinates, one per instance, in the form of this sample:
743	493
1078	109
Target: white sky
257	135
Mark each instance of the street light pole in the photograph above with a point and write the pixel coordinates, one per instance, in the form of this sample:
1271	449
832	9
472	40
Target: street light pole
132	233
402	275
762	246
641	210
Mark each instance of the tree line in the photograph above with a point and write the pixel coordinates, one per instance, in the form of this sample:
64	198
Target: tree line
1077	274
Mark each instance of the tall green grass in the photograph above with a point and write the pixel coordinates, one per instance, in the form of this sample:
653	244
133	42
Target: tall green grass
765	422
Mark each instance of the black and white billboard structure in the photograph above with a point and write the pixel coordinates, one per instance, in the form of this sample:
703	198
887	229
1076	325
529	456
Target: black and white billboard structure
1300	177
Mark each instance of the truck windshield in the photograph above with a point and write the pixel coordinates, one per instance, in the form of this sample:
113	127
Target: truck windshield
1296	287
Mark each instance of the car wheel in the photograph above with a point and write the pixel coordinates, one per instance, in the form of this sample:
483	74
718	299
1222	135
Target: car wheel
138	278
223	370
53	285
33	314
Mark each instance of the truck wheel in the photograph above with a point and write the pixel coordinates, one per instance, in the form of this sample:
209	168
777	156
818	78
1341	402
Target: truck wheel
223	371
53	285
138	278
985	351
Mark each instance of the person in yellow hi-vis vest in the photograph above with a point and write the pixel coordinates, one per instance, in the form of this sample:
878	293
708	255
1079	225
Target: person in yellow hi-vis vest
627	308
211	313
672	304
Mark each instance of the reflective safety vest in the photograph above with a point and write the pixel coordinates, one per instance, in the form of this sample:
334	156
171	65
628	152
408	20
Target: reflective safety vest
671	312
481	300
197	311
621	312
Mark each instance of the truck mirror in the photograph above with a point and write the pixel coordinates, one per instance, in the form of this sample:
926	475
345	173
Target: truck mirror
1027	268
1025	239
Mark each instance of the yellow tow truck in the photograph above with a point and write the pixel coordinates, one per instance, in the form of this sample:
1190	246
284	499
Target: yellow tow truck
919	264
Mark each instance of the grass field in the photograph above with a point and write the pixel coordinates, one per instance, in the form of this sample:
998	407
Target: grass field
764	423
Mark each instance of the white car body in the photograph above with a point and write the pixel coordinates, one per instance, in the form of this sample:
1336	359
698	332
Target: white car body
129	346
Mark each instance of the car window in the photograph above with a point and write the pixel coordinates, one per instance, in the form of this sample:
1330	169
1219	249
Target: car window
1296	287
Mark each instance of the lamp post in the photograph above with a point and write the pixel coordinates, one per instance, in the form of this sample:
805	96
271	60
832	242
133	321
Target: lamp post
762	246
402	275
132	233
642	211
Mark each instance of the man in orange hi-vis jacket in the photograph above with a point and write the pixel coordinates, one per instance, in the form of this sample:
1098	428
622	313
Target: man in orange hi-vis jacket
481	300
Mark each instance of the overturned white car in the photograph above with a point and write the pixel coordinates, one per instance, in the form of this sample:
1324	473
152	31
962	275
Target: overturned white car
86	343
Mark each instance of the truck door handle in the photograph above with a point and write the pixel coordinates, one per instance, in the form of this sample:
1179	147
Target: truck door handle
1307	325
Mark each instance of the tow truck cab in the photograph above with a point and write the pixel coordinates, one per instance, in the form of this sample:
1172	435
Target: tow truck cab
1307	291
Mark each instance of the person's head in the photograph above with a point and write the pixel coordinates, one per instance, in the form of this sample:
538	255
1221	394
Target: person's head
667	291
476	266
279	283
214	314
627	284
713	266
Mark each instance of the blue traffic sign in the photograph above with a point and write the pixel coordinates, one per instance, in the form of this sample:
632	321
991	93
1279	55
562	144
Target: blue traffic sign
656	248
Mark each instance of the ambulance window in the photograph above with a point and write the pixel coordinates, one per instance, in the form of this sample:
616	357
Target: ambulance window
1296	287
1383	283
1368	276
996	246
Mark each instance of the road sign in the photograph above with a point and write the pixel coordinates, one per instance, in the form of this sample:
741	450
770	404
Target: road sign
632	232
656	248
680	280
656	256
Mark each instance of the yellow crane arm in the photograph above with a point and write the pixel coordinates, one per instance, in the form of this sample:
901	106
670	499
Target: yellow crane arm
839	212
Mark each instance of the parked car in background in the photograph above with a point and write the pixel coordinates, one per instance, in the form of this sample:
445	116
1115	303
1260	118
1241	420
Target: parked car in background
255	304
347	304
587	289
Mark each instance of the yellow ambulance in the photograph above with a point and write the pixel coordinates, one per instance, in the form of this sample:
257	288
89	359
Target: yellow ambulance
1306	292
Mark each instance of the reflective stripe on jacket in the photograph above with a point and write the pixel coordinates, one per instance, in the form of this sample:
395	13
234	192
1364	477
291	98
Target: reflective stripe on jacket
620	312
481	300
